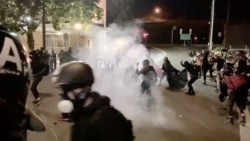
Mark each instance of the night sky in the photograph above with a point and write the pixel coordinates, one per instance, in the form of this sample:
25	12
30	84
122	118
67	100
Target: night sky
194	9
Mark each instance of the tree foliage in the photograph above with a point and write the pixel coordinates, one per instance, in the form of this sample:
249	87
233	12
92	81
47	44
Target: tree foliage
15	14
24	16
73	11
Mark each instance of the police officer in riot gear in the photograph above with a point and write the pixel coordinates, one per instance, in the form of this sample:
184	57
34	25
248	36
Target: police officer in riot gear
14	84
93	116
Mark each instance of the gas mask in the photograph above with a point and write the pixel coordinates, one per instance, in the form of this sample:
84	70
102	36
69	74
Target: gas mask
72	102
65	106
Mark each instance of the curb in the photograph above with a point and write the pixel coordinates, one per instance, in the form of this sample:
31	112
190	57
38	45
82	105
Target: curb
245	130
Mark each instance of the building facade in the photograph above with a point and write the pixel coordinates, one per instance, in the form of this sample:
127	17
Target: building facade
237	36
62	40
69	36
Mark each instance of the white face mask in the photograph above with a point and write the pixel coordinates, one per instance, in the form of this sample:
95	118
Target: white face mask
65	106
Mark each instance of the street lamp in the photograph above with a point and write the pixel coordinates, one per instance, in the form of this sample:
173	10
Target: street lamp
228	10
157	10
105	14
78	26
44	24
211	26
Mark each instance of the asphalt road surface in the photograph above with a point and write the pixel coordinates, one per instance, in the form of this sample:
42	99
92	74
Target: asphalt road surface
191	118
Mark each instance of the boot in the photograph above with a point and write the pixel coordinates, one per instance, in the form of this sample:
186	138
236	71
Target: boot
192	92
243	120
230	119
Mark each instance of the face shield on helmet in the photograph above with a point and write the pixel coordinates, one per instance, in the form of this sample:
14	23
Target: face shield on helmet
14	81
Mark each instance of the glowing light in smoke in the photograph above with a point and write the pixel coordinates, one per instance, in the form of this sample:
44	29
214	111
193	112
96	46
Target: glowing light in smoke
78	26
145	35
157	10
120	42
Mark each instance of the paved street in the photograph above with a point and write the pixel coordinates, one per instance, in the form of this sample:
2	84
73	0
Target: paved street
189	118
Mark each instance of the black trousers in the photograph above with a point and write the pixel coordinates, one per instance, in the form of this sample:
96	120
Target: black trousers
240	100
211	71
145	88
190	84
204	71
35	83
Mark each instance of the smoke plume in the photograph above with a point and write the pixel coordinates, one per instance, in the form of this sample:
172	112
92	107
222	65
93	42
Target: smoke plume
113	52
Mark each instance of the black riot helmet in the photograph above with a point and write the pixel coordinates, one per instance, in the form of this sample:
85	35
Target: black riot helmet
72	75
14	79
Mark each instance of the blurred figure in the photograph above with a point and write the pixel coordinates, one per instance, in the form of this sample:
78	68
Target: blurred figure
211	67
223	86
237	86
15	118
89	111
219	66
52	61
44	54
229	65
39	69
205	66
197	64
193	76
67	56
242	62
168	71
149	77
60	56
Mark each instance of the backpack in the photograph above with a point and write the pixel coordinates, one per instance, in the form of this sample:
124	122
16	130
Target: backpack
235	82
121	127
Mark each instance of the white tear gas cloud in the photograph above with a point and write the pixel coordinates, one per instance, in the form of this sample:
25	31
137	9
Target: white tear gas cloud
121	48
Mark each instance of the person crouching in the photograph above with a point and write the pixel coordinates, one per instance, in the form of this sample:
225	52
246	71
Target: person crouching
193	76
